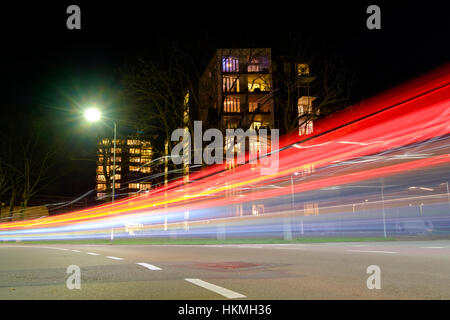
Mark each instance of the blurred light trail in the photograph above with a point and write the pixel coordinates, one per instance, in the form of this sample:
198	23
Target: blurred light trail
372	169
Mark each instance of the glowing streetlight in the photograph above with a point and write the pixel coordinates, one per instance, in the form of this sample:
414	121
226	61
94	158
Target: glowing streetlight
92	115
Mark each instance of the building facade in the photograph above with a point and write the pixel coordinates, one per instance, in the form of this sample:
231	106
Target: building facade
236	89
133	167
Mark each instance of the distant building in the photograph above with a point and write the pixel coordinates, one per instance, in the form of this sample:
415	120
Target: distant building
239	86
133	166
236	89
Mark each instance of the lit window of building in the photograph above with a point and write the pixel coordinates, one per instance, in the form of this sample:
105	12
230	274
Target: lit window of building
230	64
232	123
232	104
146	152
145	186
258	64
135	159
101	186
134	168
305	111
135	151
146	169
230	84
302	69
258	84
133	185
133	142
256	125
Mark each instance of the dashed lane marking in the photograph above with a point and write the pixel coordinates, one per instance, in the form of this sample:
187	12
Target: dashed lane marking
220	290
148	266
114	258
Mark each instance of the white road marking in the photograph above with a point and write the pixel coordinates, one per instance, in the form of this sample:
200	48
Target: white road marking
75	250
148	266
372	251
93	253
432	247
114	258
212	287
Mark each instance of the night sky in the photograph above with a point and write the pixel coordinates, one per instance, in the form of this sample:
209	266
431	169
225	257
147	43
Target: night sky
50	71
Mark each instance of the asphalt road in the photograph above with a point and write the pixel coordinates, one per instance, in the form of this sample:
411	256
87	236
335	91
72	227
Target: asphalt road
409	270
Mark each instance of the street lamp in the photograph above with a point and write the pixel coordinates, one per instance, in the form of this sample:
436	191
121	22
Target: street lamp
93	115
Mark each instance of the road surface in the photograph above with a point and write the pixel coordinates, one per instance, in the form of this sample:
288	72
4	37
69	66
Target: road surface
409	270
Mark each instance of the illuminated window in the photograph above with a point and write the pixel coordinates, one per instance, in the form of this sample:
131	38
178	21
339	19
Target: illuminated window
134	168
101	178
135	151
232	104
133	142
135	159
255	125
230	64
146	152
145	186
117	185
118	159
118	150
101	187
258	84
232	123
302	69
101	195
146	169
133	185
258	64
230	84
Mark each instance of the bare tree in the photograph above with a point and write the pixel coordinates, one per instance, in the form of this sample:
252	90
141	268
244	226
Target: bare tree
26	161
328	84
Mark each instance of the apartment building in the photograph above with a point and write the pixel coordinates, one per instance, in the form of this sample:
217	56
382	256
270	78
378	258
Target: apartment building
236	89
133	167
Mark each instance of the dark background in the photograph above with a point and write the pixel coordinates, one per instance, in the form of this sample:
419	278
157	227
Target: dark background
53	73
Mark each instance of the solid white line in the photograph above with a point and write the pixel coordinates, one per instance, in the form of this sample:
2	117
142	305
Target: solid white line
372	251
75	251
148	266
212	287
114	258
93	253
432	247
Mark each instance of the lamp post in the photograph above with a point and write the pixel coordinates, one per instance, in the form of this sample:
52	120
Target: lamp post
93	115
293	199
